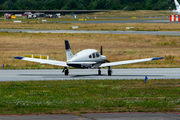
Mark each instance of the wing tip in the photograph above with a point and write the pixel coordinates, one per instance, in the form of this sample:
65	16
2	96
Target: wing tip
158	58
18	57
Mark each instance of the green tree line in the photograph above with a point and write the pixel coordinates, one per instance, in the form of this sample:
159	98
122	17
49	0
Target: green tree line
87	4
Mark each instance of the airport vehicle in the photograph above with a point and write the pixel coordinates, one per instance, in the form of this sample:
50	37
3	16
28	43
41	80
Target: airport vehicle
177	7
57	15
7	15
31	16
88	58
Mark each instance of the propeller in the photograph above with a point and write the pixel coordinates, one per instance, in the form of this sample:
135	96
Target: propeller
101	52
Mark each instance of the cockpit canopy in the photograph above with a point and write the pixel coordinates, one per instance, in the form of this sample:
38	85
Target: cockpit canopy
94	55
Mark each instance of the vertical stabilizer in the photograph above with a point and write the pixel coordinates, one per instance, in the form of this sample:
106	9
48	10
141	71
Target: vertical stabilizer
177	5
69	54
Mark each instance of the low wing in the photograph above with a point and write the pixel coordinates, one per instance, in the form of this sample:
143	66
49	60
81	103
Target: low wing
43	61
129	62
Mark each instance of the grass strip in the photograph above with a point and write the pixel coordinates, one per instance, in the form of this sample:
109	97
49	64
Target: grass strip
115	48
87	96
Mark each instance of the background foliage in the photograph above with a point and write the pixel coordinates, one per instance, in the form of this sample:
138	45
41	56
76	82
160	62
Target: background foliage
87	4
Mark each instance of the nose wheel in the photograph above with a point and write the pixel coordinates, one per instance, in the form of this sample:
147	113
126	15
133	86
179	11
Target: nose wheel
99	72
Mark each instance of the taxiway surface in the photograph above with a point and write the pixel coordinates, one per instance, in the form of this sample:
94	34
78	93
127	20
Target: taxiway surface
91	74
174	33
118	21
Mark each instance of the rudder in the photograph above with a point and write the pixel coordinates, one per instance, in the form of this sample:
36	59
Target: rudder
69	54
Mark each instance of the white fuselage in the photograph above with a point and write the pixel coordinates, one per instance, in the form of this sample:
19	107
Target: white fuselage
86	59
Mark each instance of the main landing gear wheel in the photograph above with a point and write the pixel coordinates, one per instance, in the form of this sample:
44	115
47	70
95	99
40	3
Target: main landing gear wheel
66	71
109	71
99	72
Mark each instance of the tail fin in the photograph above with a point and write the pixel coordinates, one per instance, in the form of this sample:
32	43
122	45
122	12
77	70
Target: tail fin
177	5
69	54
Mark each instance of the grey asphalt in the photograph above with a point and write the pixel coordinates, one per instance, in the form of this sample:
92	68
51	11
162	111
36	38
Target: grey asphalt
91	74
134	116
174	33
44	117
101	116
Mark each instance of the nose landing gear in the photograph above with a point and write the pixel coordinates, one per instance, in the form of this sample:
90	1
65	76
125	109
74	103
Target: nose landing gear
99	71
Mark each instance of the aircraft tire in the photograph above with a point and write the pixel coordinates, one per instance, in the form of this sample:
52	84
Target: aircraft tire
109	72
66	72
99	72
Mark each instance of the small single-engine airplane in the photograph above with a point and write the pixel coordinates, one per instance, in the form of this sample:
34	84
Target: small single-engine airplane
88	58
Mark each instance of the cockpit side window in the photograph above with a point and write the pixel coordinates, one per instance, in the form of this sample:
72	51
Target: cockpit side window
93	55
90	56
97	54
